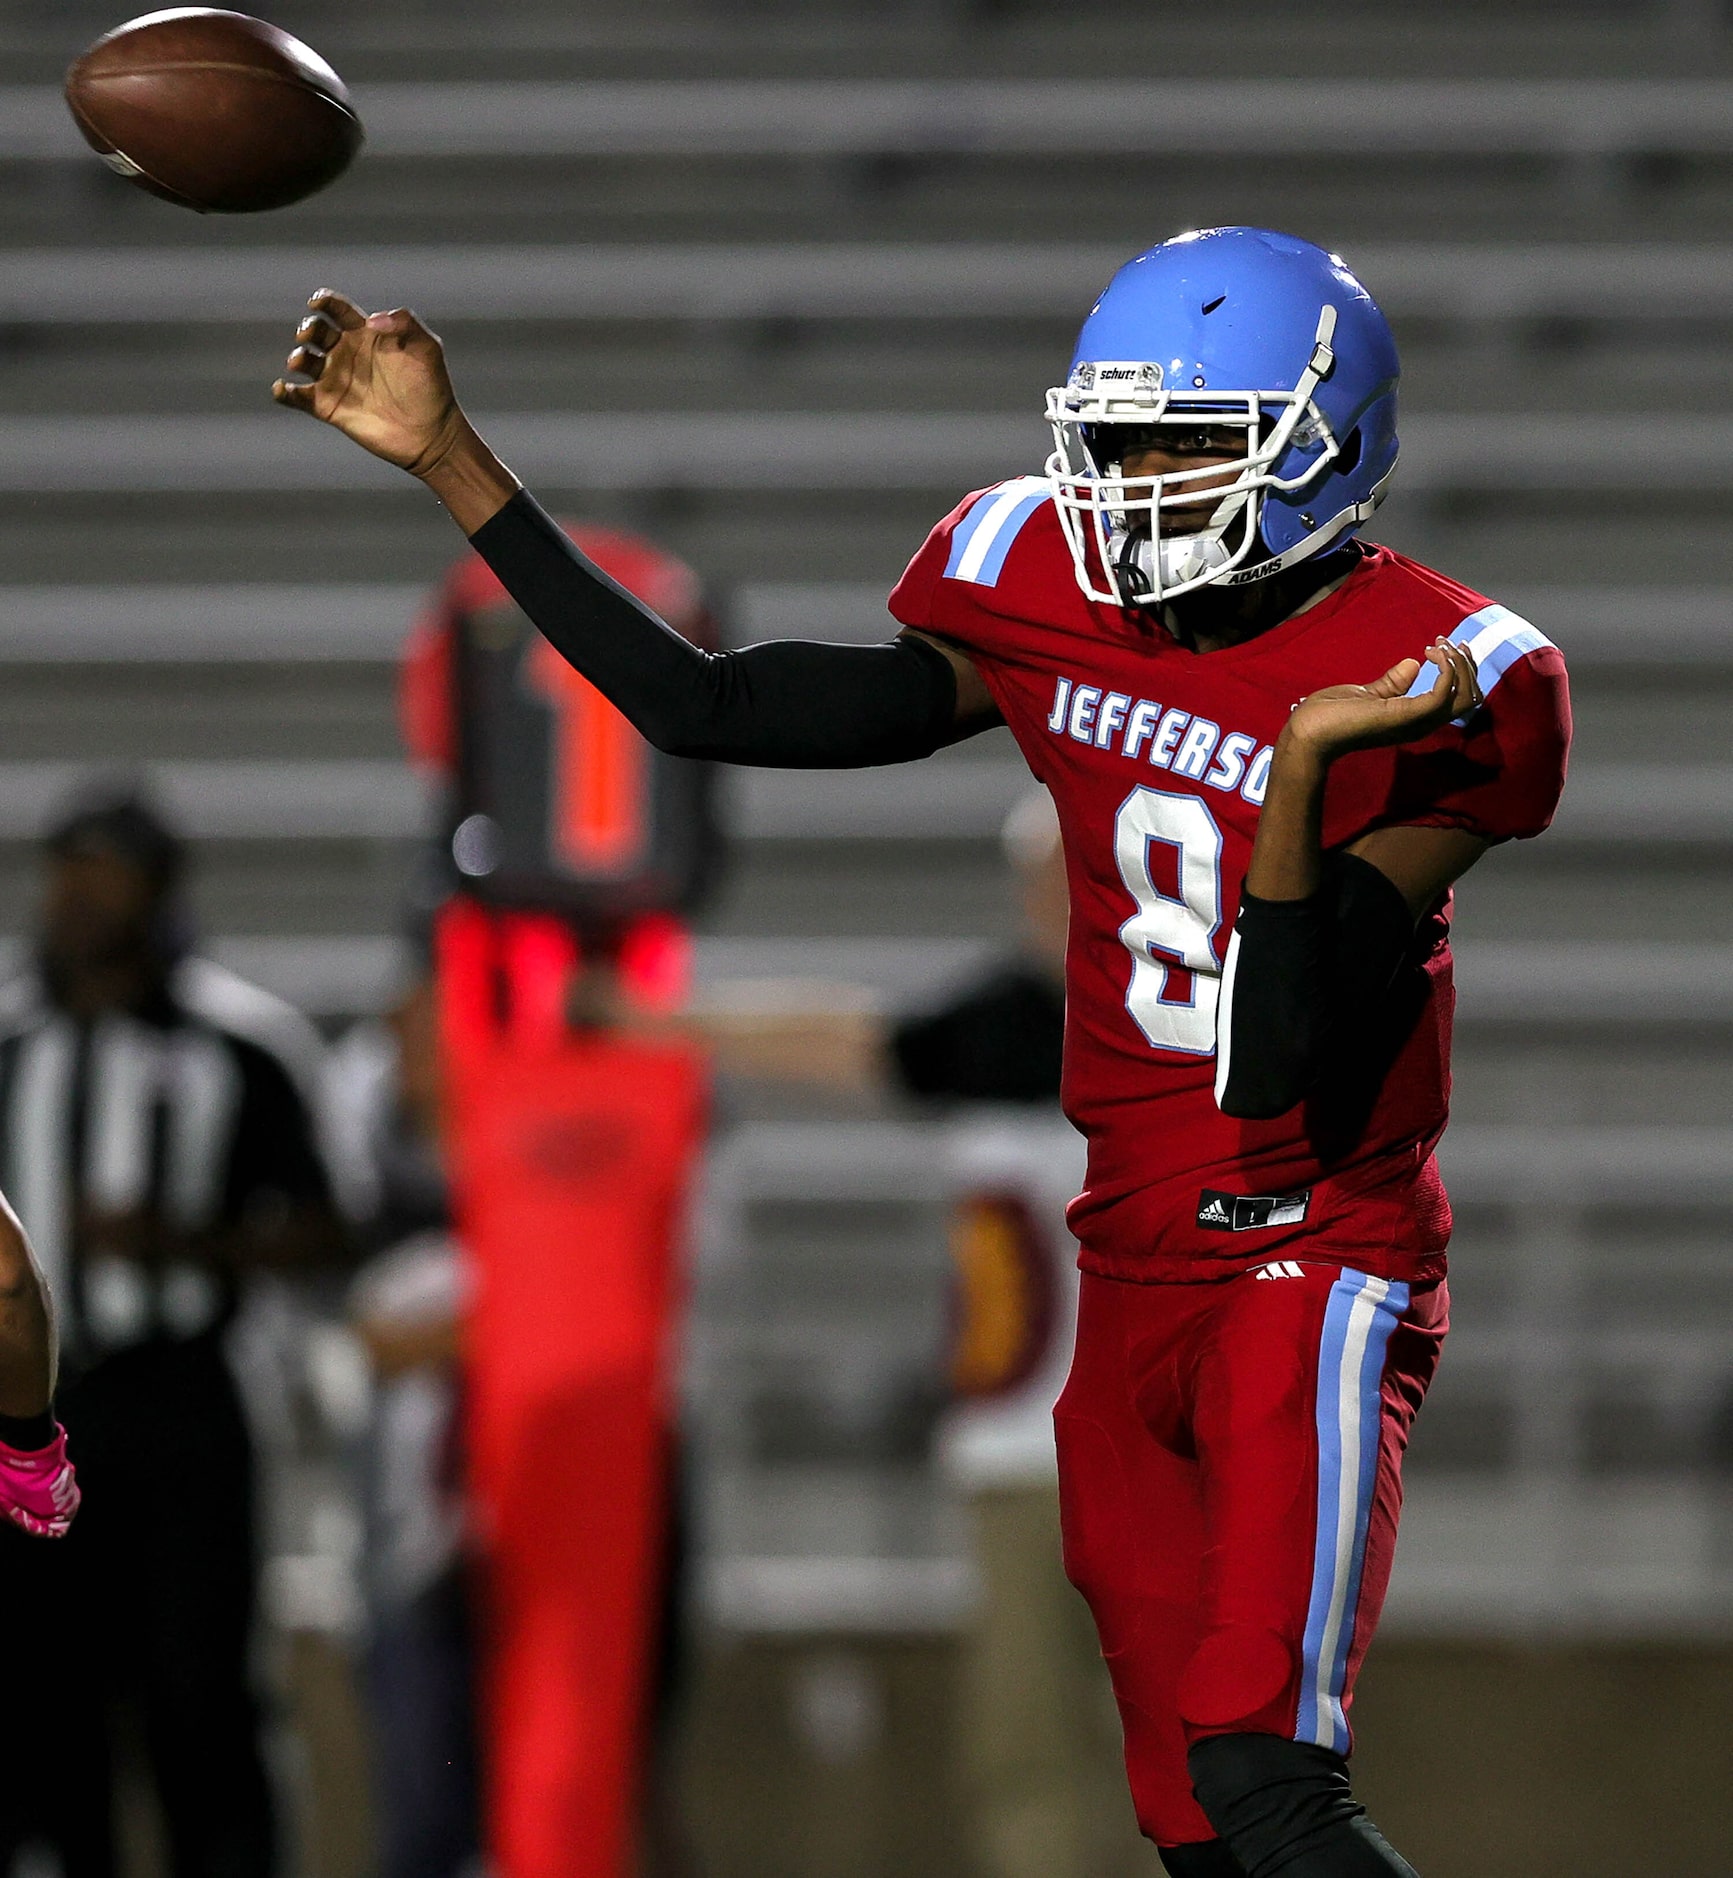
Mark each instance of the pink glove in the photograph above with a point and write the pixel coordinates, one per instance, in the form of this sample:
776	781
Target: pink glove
38	1489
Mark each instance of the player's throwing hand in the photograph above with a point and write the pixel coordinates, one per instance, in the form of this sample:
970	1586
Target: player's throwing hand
380	378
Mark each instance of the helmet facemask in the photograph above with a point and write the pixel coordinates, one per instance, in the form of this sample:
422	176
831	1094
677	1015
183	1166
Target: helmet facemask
1112	522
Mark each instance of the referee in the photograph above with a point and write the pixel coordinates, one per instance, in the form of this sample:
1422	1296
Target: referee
157	1138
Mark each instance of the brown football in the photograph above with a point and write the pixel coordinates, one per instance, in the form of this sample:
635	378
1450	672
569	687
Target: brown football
216	111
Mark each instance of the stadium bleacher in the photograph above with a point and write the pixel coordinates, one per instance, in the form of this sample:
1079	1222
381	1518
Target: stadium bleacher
817	280
778	287
1563	120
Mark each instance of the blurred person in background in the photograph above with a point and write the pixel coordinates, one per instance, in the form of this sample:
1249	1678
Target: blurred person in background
1000	1036
1038	1739
996	1037
157	1132
422	1564
406	1307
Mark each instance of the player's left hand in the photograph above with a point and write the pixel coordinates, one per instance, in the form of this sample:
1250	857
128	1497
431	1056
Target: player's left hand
38	1489
1341	718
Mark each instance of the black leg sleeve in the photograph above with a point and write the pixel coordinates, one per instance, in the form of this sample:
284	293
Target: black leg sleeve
1297	970
1286	1809
788	704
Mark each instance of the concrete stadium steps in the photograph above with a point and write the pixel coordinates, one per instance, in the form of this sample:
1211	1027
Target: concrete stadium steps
1582	269
910	159
1638	852
951	889
962	794
305	624
1568	121
317	624
1560	1257
268	714
191	287
284	888
527	199
397	533
1311	39
1457	456
718	326
1537	986
261	710
773	366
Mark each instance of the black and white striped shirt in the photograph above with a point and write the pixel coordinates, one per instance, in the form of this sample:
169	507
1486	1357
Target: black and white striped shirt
202	1115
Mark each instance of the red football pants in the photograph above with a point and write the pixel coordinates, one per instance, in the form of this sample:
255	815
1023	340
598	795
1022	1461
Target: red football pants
1230	1460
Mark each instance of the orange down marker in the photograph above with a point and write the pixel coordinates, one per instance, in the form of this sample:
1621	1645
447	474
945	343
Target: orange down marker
572	1157
601	779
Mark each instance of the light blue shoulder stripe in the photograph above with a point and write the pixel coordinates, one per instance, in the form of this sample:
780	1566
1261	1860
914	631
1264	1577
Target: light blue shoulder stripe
985	535
1496	638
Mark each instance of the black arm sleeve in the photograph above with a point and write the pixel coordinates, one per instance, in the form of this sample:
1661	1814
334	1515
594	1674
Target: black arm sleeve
788	704
1002	1040
1297	969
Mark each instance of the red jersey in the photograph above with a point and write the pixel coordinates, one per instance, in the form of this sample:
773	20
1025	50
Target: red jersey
1157	759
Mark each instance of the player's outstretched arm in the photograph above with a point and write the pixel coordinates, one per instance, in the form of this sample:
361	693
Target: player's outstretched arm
37	1489
1320	936
381	379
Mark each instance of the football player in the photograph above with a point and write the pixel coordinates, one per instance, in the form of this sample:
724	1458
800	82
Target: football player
1274	748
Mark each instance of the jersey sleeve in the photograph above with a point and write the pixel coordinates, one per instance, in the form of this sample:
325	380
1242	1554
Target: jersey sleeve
920	598
949	586
1500	774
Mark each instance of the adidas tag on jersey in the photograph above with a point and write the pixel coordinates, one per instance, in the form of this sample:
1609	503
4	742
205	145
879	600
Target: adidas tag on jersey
1247	1212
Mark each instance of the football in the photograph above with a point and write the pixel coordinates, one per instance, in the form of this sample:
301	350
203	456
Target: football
216	111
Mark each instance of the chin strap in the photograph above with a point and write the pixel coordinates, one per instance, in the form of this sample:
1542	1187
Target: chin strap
1134	561
1317	541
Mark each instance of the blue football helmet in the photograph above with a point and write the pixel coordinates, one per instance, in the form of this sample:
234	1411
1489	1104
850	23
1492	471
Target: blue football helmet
1228	329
